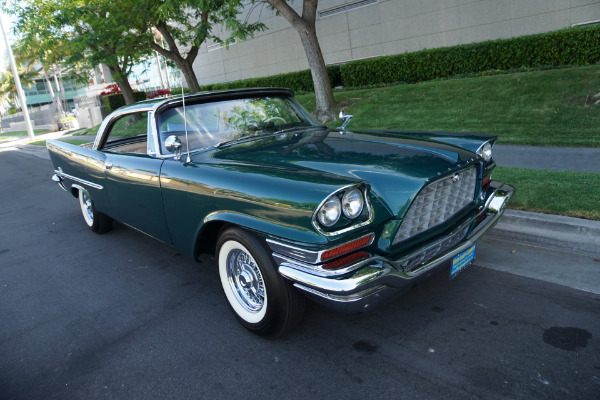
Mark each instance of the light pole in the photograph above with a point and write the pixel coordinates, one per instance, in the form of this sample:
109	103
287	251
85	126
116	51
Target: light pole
13	65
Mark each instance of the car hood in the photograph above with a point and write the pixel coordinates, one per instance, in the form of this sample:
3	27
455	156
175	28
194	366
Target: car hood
395	165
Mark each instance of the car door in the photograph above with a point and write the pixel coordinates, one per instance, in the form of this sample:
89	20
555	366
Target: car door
132	176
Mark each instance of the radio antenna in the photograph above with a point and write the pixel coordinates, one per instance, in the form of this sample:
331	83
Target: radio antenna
188	159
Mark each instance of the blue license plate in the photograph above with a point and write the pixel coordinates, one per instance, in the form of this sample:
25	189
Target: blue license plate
462	260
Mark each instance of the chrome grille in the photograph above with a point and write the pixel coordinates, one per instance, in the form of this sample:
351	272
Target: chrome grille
437	203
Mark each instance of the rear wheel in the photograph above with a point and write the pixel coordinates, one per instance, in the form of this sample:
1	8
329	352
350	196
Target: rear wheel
94	219
261	299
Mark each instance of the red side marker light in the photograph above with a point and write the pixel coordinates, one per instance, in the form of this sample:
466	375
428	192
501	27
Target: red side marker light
347	248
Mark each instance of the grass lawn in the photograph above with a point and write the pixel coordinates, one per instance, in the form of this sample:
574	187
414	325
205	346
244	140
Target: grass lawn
72	141
24	133
569	193
543	108
88	132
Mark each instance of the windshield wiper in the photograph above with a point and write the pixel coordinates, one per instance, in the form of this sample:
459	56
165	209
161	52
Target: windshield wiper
264	134
302	128
245	138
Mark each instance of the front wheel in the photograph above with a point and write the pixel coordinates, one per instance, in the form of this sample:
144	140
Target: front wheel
94	219
261	299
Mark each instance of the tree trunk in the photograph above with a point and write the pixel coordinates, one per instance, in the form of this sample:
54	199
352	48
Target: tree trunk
173	54
123	84
62	89
306	28
160	73
323	92
54	100
58	88
190	76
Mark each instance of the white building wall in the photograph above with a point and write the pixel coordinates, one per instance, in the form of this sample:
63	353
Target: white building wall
385	28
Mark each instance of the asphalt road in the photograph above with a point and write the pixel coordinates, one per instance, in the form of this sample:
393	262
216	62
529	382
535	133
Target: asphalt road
120	316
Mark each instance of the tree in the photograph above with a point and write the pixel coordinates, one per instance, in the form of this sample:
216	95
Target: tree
32	52
94	31
305	25
8	87
186	24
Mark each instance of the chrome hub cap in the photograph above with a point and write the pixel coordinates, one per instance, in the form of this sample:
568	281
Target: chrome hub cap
245	280
87	207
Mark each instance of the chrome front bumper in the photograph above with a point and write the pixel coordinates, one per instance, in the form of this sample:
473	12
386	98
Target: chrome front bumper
377	280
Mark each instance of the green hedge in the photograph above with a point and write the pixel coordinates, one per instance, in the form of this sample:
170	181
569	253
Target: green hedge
177	90
300	81
571	46
114	101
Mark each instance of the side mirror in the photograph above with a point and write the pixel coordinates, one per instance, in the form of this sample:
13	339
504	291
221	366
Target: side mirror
345	118
173	145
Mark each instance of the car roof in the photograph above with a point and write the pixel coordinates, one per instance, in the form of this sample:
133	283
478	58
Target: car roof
155	104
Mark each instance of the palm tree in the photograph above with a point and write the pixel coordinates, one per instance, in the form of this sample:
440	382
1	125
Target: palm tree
8	88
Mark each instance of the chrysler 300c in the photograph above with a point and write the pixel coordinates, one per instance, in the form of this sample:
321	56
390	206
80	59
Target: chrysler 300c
290	208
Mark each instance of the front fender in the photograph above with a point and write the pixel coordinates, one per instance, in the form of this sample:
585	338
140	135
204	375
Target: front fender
260	199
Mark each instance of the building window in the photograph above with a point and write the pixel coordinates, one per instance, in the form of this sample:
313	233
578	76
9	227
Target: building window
346	7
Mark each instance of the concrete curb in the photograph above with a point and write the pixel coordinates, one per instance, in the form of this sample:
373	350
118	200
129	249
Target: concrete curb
552	231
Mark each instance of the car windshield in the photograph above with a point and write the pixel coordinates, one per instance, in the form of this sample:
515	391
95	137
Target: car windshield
217	123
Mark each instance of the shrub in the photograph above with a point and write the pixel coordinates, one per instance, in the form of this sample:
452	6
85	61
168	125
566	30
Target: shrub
578	45
114	101
300	81
175	91
570	46
158	93
113	88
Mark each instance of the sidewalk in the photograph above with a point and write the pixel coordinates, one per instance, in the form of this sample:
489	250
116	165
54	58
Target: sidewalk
579	159
21	142
546	230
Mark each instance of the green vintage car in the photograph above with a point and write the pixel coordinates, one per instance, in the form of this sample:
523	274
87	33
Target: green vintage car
290	208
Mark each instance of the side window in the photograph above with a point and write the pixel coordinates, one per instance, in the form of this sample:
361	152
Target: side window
129	134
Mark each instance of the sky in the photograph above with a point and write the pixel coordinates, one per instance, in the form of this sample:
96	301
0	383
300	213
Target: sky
7	22
149	73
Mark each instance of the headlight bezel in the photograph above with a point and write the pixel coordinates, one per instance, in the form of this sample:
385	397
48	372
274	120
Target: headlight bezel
485	151
344	223
332	203
351	213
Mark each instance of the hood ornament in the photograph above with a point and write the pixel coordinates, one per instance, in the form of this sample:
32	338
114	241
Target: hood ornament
456	178
345	118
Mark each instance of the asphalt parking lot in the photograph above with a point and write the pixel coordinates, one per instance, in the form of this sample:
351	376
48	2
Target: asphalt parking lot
121	316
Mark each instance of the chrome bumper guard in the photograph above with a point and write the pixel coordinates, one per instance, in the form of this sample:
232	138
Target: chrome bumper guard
58	179
378	280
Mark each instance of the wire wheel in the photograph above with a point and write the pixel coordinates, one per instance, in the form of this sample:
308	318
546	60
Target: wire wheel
245	280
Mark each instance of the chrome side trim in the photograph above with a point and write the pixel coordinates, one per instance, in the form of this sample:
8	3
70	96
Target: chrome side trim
61	174
309	256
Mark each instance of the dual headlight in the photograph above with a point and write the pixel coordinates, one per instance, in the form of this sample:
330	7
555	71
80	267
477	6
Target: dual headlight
485	151
349	203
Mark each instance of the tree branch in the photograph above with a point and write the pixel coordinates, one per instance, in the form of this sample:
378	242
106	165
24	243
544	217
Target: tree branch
287	12
309	11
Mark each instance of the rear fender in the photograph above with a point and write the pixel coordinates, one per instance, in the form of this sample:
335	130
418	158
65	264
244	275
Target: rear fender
80	167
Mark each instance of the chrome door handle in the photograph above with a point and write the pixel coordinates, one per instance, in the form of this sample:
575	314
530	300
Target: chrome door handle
108	165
